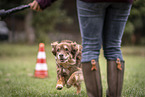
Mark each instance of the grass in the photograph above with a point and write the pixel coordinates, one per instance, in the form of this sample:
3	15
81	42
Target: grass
17	64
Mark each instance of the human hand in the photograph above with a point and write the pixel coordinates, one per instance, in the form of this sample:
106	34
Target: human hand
35	6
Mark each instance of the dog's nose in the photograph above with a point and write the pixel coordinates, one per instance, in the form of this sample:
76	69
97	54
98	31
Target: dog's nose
61	55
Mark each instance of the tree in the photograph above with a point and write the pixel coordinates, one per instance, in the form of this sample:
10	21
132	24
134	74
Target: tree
47	20
37	23
136	26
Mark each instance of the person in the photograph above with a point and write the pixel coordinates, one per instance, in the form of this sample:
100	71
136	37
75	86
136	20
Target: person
102	24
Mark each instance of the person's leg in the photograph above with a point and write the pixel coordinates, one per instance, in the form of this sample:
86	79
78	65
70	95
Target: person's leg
115	20
92	79
91	20
114	79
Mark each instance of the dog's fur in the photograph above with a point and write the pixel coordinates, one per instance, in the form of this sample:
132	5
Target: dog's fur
68	63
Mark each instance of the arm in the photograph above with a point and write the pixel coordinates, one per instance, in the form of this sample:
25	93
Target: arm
45	3
39	5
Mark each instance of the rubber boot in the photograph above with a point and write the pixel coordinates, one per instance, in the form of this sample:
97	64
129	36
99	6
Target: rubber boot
115	74
92	78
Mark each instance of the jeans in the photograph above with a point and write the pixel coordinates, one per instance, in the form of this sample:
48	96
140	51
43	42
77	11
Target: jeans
102	25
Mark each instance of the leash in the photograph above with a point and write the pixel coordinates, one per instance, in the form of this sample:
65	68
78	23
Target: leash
4	13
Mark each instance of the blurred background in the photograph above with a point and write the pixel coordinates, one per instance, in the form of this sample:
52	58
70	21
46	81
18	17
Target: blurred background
60	22
21	32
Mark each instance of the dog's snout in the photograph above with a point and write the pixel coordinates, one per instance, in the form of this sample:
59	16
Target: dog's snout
61	55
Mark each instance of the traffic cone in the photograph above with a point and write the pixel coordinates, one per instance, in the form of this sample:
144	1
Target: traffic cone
41	66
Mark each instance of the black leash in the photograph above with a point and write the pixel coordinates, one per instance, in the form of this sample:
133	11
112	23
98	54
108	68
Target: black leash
4	13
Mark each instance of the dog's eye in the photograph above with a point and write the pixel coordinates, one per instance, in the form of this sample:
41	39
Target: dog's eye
57	50
66	49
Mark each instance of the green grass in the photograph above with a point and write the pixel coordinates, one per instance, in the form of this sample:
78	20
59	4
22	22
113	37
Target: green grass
17	65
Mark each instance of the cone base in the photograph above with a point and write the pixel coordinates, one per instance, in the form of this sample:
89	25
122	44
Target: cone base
41	74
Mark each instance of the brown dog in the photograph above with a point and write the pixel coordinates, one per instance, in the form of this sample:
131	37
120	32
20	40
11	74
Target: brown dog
68	60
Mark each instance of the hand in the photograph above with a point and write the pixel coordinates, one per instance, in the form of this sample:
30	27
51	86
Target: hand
35	6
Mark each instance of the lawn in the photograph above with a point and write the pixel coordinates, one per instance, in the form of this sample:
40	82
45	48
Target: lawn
17	65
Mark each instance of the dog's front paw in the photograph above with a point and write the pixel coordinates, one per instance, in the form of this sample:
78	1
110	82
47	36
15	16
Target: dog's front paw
59	86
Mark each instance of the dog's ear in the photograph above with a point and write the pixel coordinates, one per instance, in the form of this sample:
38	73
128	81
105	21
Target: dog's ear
76	49
73	48
53	45
79	52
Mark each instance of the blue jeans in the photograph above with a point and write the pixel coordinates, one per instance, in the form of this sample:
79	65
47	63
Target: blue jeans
102	24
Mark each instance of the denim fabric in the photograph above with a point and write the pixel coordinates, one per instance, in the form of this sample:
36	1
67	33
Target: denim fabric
102	24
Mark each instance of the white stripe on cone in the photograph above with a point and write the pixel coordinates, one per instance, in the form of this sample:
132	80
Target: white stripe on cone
41	66
41	55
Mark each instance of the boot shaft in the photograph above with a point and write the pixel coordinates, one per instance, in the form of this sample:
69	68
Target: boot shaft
115	74
92	78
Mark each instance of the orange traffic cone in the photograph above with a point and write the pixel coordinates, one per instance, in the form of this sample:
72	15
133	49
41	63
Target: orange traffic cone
41	66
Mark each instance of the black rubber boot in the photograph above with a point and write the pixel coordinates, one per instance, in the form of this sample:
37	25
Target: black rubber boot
92	78
115	74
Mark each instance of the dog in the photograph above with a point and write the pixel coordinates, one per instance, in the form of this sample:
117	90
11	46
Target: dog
68	63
